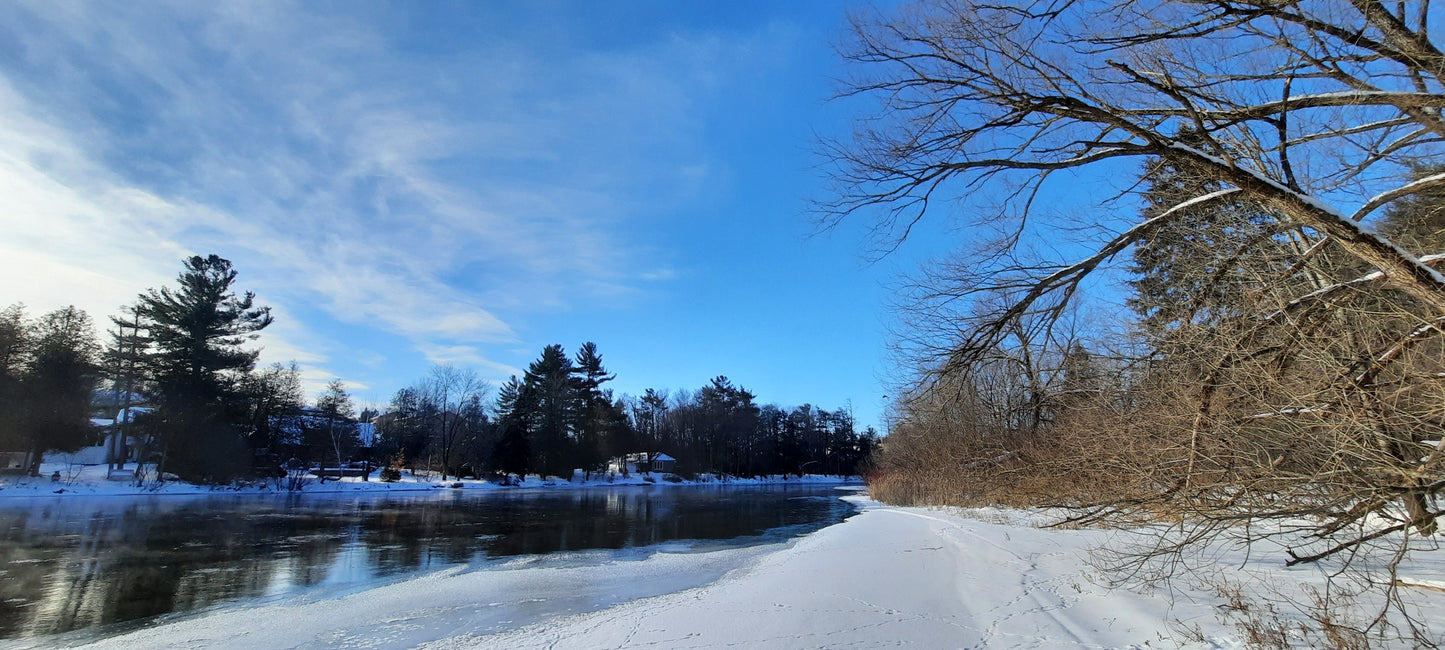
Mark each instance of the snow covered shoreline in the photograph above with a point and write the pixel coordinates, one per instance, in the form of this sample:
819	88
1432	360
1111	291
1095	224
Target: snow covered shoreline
90	480
887	576
891	576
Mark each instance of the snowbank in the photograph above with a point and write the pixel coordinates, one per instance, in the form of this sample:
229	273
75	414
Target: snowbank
889	576
77	479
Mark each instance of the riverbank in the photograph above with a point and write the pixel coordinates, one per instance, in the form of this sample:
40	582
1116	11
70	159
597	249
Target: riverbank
63	479
885	577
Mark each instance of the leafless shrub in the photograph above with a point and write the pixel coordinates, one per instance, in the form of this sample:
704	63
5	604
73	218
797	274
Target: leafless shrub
1270	619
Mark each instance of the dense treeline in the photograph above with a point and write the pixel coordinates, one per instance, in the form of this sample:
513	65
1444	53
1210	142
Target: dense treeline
180	373
48	369
558	418
1294	385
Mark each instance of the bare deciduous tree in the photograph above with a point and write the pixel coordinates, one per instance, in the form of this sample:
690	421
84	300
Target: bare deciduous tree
1303	109
455	395
1311	409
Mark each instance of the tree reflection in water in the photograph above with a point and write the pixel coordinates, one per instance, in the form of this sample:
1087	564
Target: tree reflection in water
74	563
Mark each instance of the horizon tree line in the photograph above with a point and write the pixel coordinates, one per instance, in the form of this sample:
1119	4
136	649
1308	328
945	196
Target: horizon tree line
184	380
558	418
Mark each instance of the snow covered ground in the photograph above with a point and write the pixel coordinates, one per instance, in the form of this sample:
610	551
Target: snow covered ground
889	576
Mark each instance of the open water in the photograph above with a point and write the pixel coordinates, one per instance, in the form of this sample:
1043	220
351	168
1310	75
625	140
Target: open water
111	564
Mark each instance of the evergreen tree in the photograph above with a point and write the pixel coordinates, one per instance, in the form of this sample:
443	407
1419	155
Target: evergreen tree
122	360
513	449
1083	381
867	445
597	417
781	453
123	363
842	443
1197	267
620	437
729	417
197	332
549	408
648	414
477	440
403	428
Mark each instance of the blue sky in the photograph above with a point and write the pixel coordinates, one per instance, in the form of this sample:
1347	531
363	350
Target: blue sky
453	182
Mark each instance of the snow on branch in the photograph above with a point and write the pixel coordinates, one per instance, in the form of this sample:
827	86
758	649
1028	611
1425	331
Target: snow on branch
1356	130
1398	99
1325	292
1283	411
1407	189
1419	334
1067	278
1413	276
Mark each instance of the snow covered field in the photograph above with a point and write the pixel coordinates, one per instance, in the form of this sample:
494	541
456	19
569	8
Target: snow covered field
888	576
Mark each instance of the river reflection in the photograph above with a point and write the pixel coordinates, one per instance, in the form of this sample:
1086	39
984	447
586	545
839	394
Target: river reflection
75	563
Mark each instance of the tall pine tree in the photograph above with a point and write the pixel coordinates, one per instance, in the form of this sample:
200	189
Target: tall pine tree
1197	268
196	361
513	451
597	417
549	394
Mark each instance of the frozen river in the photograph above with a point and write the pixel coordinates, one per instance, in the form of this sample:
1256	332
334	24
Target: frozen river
88	568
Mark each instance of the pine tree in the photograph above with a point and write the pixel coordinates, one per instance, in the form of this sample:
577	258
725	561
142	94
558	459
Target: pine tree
1197	267
729	416
123	358
549	409
514	448
197	332
649	413
1083	380
403	428
597	418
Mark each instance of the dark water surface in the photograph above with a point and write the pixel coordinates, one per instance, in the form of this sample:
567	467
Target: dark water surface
79	563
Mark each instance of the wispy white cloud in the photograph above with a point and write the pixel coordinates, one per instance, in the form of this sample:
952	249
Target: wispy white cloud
466	355
429	198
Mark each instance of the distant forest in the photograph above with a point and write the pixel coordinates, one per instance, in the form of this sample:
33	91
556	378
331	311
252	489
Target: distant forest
178	365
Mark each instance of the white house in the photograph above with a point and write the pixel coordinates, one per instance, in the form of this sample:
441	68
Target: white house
663	463
639	463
